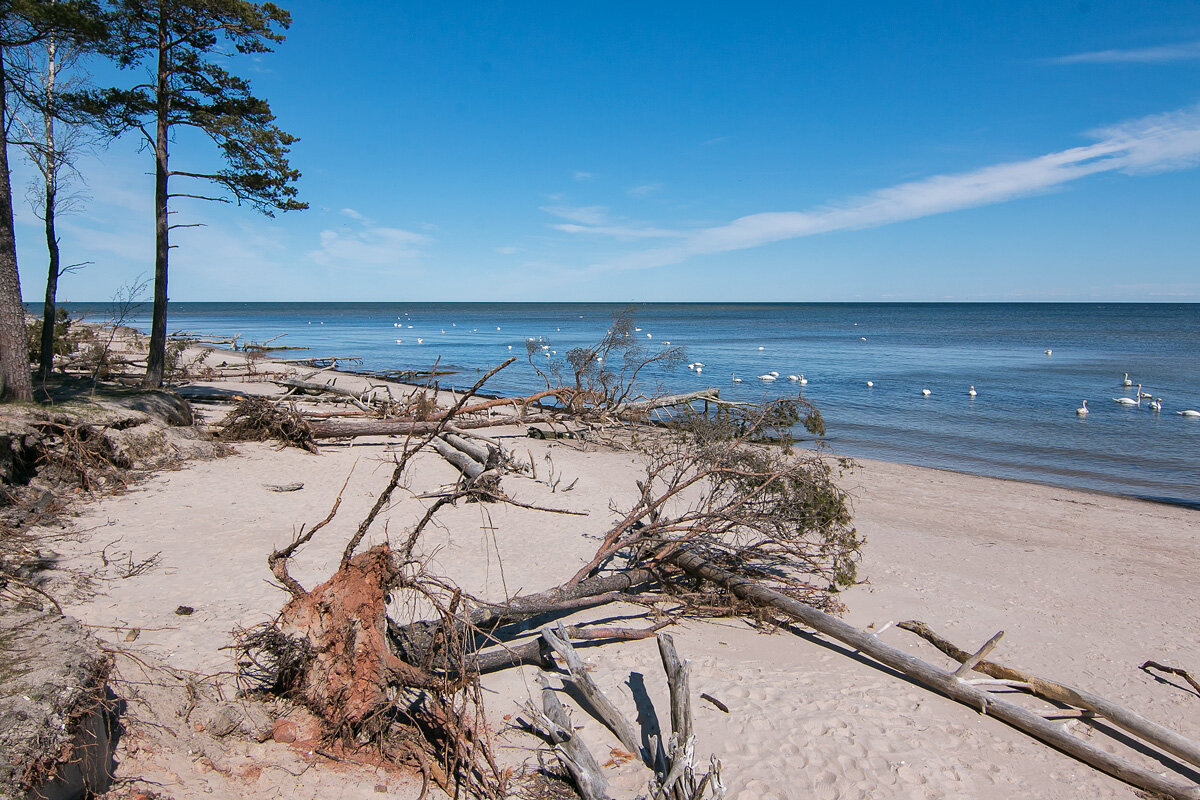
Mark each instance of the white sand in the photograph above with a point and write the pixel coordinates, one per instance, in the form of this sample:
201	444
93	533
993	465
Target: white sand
1086	587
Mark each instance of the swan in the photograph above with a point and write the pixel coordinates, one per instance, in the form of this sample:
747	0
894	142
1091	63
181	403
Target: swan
1188	413
870	384
699	363
760	347
1127	382
1129	401
766	377
972	391
803	380
420	340
691	366
1144	395
926	392
1156	404
1082	410
648	336
1049	352
793	377
399	341
734	378
699	370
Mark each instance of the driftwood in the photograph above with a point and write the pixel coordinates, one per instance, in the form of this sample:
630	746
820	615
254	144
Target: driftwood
674	777
940	679
1136	724
641	407
478	476
1183	673
346	428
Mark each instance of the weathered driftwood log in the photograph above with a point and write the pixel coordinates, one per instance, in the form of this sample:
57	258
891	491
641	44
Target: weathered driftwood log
1134	723
674	776
572	753
336	429
322	388
640	407
939	679
480	450
478	476
604	709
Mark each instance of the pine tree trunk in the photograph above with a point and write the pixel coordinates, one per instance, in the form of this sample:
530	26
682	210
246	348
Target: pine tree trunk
46	357
157	358
14	353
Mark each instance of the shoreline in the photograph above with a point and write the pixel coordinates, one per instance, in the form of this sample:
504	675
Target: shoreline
1087	586
367	374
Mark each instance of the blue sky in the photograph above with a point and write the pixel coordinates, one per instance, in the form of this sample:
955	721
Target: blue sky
695	152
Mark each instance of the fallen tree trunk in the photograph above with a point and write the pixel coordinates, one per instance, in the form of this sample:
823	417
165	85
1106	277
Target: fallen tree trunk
939	679
1136	724
639	407
337	429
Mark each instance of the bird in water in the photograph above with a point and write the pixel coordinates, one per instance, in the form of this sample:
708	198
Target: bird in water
972	391
926	392
870	384
1082	411
1189	413
1156	404
1126	381
1129	401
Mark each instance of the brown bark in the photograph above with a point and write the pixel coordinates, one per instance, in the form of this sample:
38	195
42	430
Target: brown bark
16	382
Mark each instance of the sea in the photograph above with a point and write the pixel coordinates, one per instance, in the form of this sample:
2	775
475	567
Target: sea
865	366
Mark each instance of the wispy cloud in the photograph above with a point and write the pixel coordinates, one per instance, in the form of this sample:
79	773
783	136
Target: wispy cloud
595	220
1182	51
370	247
579	175
585	215
644	189
352	214
1157	143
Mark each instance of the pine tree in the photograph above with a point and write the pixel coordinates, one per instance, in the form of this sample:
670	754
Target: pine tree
177	41
24	23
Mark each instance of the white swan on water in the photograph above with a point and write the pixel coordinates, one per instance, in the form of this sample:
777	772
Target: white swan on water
1127	382
734	378
972	391
926	392
793	377
1082	410
767	377
803	380
1129	401
870	384
1156	404
1189	413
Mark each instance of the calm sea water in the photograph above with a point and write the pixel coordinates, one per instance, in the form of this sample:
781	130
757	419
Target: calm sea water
1022	424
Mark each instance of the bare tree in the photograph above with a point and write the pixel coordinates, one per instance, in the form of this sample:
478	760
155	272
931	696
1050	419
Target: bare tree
51	145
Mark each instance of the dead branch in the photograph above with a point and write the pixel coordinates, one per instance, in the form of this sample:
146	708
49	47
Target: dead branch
1183	673
941	680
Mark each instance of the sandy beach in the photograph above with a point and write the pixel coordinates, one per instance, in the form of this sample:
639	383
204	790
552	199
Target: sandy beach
1086	587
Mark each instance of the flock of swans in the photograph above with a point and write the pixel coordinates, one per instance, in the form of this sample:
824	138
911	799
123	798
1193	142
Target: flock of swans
1155	403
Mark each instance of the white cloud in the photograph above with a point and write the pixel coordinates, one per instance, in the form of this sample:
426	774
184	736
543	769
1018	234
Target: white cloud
352	214
1151	144
1183	51
594	220
645	189
619	231
585	215
370	247
582	176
